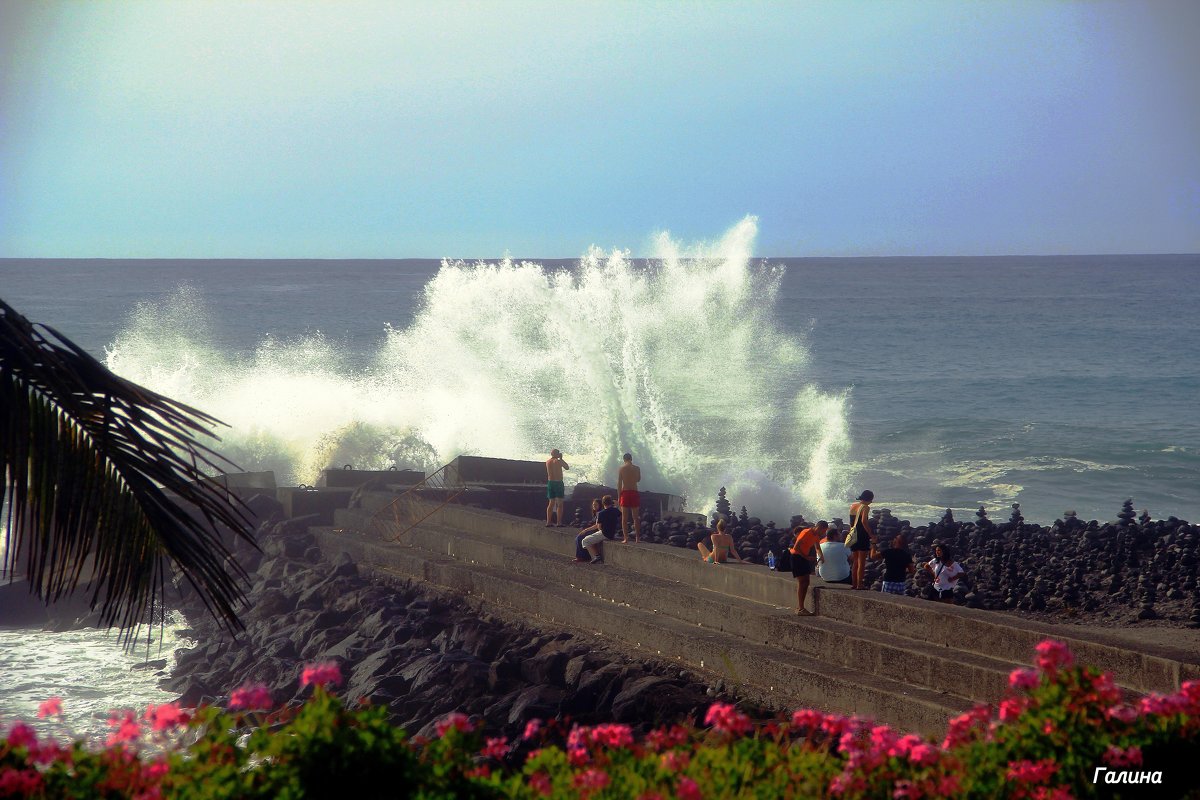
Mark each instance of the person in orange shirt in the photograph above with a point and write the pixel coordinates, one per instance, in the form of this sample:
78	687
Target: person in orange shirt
804	555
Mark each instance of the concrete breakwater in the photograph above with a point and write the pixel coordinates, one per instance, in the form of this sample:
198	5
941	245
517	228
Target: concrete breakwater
422	652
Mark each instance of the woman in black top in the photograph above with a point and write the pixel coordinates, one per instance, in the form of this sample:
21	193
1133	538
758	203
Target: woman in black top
860	531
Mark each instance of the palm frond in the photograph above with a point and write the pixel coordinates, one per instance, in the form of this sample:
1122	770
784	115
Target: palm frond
90	461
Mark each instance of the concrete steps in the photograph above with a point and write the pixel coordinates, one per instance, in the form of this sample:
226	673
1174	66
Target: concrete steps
905	661
765	673
836	643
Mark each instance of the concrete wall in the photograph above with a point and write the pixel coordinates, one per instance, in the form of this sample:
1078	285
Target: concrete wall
986	633
335	478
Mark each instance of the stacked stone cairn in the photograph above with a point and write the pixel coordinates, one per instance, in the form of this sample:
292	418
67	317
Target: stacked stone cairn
1135	568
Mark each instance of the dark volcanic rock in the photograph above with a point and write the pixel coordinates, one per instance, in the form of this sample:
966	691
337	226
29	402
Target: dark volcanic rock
420	653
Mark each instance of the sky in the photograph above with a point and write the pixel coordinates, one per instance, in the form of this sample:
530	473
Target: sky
537	129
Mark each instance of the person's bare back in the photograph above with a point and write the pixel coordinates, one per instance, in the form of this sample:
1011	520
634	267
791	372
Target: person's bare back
627	497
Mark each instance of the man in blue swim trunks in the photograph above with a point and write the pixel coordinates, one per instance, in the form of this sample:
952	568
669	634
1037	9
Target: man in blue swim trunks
555	491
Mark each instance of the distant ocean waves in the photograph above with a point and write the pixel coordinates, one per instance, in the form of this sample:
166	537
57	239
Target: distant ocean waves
1048	468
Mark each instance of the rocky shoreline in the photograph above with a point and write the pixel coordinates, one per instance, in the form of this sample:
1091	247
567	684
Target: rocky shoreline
1132	571
420	652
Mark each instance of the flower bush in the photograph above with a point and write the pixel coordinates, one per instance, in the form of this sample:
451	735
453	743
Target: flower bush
1044	741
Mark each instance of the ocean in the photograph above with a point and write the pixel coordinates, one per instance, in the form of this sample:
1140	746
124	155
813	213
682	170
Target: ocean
1057	382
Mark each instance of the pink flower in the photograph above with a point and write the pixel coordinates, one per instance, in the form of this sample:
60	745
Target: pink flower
1057	793
904	745
687	789
322	674
532	728
577	756
592	780
807	719
1121	713
728	720
1048	727
127	728
948	786
1010	709
907	790
961	727
882	738
50	708
20	782
1023	679
22	735
454	721
1053	655
578	738
923	754
1129	757
1031	771
674	761
156	770
49	753
540	783
496	747
1160	705
1105	688
166	716
250	697
613	736
663	739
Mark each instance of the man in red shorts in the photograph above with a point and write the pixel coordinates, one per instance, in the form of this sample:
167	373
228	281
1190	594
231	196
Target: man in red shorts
627	493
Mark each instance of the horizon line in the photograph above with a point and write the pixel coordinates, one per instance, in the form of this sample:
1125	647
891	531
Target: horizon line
571	258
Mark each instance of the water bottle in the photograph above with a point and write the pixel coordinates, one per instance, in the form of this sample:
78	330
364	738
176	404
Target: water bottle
770	559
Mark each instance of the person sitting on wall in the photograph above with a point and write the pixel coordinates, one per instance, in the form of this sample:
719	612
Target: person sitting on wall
945	571
722	546
833	558
897	564
581	553
607	523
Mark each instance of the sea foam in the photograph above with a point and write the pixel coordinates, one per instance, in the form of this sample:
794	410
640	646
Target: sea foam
680	360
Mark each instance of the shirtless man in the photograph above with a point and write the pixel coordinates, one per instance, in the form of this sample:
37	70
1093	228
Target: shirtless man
555	491
722	546
627	493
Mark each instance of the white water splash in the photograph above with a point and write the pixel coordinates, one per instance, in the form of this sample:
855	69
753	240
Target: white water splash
682	362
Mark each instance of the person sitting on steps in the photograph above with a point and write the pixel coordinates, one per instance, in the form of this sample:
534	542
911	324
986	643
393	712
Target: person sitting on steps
722	546
607	523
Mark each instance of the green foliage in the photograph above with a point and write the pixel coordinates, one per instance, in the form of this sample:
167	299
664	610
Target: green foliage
1051	734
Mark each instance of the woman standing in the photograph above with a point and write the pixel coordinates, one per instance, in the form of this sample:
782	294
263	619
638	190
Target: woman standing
859	538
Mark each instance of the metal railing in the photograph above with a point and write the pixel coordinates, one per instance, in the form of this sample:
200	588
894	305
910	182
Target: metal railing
404	513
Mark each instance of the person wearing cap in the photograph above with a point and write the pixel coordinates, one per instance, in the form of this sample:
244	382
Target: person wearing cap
859	539
555	489
803	552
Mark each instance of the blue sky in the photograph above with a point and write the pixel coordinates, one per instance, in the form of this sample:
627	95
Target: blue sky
405	129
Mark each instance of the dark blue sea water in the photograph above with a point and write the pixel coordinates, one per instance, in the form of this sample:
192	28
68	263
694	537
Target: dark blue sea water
1056	382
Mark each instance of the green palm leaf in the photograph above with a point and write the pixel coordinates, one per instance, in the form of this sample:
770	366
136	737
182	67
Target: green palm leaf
90	461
